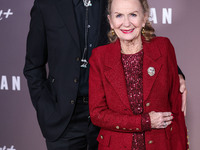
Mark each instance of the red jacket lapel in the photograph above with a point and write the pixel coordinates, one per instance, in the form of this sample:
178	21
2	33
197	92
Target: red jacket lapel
115	73
151	54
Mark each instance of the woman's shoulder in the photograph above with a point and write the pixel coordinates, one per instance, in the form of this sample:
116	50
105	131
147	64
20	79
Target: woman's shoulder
163	44
160	39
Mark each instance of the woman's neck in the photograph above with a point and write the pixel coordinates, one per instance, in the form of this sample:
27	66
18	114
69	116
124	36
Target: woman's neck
131	47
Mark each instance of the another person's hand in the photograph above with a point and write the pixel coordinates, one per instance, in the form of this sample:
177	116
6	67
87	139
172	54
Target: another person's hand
183	90
160	120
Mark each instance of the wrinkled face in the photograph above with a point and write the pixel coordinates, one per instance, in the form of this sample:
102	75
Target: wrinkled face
127	19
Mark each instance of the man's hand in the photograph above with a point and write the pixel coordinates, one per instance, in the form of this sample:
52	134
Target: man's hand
183	90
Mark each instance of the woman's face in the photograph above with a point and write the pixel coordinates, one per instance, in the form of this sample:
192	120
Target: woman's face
127	19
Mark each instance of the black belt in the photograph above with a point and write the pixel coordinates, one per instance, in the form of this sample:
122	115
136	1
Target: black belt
82	100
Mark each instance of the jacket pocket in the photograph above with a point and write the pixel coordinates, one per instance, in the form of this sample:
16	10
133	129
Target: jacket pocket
47	102
51	87
104	138
168	131
171	130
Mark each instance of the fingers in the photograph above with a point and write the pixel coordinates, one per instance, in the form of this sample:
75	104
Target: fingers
165	124
165	114
183	90
182	84
182	87
184	95
160	119
185	110
168	118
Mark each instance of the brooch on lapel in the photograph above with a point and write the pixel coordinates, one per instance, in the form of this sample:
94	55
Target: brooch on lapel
151	71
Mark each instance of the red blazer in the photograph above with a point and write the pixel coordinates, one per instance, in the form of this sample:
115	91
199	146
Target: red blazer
109	105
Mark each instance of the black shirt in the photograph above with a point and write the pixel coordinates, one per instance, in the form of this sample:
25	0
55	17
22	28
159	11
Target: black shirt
93	23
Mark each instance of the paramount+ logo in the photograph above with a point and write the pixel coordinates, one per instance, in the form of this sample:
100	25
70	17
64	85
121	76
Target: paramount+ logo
7	148
5	14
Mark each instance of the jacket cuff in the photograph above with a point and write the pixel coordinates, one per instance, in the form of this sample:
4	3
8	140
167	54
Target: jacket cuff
146	122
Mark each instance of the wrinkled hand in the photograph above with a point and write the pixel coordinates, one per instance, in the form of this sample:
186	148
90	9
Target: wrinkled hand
183	90
160	120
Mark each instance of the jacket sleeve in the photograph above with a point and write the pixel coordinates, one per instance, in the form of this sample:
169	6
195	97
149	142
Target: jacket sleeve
101	115
179	138
36	54
181	73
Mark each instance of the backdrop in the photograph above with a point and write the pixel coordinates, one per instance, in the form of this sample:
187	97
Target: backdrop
19	130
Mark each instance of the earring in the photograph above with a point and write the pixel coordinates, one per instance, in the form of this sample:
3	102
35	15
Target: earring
113	32
143	31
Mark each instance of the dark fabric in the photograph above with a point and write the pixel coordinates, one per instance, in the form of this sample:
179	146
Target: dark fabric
79	132
53	39
180	72
93	22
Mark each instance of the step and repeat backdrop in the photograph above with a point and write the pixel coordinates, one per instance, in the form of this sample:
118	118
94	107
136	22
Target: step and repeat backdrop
19	130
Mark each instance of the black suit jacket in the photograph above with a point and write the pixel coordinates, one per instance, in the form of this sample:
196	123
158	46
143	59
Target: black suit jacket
53	43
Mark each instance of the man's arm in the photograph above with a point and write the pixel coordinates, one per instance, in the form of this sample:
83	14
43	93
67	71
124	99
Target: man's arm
36	54
183	90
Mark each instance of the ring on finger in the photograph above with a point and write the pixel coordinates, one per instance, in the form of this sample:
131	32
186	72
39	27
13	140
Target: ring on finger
164	124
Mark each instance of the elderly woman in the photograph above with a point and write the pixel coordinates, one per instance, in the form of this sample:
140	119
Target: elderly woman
134	86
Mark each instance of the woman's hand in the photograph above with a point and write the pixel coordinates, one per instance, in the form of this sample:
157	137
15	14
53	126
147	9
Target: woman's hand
160	120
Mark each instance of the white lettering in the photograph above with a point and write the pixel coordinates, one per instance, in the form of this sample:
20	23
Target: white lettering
1	11
16	83
11	148
167	15
4	148
5	14
4	83
153	16
8	13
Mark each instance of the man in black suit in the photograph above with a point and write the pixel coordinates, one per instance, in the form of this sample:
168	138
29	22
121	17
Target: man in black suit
61	37
56	41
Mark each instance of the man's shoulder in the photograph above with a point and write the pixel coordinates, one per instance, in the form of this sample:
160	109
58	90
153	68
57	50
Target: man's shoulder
44	2
103	49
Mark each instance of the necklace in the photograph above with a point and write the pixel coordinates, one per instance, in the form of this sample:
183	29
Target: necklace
84	61
87	3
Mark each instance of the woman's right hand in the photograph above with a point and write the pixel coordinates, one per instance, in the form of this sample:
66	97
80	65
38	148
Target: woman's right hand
160	120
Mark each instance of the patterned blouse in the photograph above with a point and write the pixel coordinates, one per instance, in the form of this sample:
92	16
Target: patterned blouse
133	65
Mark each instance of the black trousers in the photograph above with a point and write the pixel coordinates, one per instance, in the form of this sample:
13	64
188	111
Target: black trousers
80	134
